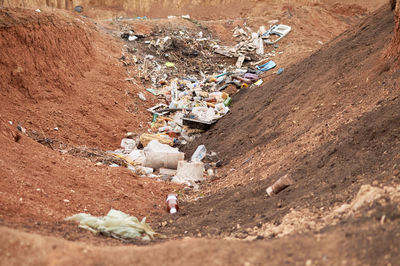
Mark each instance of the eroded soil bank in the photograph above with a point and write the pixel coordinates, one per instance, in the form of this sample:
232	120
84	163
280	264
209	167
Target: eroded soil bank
330	121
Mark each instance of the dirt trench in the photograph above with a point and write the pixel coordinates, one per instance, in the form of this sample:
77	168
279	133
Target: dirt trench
330	121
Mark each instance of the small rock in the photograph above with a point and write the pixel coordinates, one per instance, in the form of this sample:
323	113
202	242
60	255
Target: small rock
66	201
163	224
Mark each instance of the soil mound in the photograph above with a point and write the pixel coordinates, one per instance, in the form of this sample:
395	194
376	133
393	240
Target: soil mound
53	75
330	122
56	79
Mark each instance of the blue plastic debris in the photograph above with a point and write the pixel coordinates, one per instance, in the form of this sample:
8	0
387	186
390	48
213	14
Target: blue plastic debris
79	9
267	66
280	71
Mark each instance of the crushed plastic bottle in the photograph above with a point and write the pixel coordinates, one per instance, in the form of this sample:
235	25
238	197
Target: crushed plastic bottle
199	154
172	204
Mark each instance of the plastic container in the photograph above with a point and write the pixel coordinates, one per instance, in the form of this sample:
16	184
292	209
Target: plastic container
172	203
228	101
189	172
158	160
199	154
128	145
160	155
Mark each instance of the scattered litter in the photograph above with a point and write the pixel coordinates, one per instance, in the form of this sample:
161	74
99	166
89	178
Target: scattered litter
116	224
210	172
128	145
162	138
280	71
279	185
267	66
193	96
21	128
189	172
276	30
172	203
199	154
136	157
38	10
141	170
78	9
132	38
141	96
160	155
153	91
166	171
259	82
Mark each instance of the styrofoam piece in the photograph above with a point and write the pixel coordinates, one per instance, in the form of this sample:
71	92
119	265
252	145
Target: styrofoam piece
163	159
189	172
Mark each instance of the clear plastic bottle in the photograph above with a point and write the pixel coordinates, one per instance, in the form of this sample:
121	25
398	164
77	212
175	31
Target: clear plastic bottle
199	154
172	203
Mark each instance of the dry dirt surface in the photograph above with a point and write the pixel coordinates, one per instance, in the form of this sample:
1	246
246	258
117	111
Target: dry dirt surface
331	122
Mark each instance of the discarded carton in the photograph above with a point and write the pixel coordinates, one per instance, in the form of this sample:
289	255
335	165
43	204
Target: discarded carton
189	172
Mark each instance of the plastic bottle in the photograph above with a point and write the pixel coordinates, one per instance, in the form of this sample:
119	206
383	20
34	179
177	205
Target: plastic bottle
228	101
172	203
199	154
279	185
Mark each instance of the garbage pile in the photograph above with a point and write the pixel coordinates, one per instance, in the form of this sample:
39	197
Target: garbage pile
251	44
193	94
165	54
162	161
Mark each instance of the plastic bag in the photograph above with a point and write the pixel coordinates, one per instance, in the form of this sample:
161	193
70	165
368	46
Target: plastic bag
116	224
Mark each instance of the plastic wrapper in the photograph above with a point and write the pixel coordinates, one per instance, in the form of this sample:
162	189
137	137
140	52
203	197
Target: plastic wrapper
116	224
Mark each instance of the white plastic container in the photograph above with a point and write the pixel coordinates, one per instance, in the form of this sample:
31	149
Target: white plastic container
128	145
189	172
158	160
162	156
